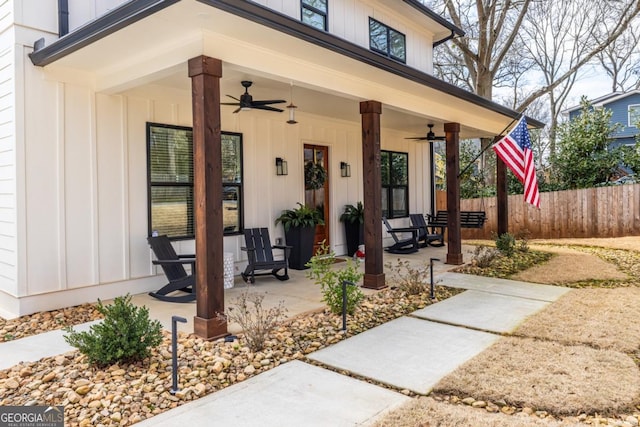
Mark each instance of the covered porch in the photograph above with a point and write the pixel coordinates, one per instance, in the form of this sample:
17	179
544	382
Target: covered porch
187	55
299	295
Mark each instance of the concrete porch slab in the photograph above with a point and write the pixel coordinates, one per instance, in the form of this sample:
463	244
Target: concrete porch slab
482	310
502	286
407	353
294	394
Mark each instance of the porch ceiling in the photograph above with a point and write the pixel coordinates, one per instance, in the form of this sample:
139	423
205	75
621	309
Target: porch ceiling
329	81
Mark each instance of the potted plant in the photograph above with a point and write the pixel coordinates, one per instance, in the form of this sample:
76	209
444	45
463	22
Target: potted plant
353	220
299	231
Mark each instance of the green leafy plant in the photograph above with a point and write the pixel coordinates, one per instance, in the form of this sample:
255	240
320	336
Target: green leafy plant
324	273
353	214
302	216
506	244
256	321
125	335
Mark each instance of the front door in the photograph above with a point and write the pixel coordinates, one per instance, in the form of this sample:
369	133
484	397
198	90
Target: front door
316	188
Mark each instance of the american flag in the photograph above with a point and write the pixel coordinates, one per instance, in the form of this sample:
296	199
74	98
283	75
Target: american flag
515	151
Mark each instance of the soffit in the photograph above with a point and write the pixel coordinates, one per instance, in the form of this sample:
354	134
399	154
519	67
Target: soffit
153	51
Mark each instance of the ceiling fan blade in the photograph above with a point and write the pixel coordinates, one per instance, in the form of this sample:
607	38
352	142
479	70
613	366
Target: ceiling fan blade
237	110
419	138
229	103
233	97
266	107
267	102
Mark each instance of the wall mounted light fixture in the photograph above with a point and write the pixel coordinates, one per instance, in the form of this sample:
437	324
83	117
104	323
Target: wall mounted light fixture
281	166
345	169
292	109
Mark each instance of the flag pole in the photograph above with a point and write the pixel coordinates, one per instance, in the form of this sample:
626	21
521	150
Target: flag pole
485	148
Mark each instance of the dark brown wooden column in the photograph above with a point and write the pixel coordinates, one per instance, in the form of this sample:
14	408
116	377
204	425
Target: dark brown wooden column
502	197
205	73
373	262
454	239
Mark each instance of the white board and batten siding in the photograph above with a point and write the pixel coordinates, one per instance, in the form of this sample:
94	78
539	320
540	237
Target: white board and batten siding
73	171
8	183
349	19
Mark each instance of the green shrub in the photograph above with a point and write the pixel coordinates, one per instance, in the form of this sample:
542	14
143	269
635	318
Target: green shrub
506	244
125	335
256	321
330	279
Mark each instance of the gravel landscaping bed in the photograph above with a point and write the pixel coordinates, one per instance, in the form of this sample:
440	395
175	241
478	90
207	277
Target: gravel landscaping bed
45	321
125	394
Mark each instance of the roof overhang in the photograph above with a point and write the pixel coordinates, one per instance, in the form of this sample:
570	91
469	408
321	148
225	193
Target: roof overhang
146	42
442	28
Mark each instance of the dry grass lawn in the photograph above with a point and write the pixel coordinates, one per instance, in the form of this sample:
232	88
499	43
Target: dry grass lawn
573	357
570	266
601	318
427	412
548	376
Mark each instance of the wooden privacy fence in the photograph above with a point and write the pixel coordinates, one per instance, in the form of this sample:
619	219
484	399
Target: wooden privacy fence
612	211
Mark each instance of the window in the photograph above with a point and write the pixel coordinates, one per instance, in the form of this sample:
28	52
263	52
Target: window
170	180
634	115
395	184
387	41
314	13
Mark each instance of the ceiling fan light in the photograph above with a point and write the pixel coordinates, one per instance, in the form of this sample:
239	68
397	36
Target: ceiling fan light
292	114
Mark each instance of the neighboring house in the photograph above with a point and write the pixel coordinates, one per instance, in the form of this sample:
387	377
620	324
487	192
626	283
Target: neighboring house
97	136
625	108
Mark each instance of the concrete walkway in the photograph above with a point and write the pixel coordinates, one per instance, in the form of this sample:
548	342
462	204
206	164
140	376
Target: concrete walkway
413	352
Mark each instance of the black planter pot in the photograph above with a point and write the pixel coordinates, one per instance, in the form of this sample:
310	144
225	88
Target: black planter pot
301	240
355	236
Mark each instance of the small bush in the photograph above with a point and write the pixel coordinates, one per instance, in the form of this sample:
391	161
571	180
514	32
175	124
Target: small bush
330	280
483	256
125	335
410	280
506	244
256	321
522	240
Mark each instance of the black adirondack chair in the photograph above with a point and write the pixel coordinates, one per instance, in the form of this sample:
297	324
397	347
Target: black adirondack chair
402	245
260	256
427	235
173	266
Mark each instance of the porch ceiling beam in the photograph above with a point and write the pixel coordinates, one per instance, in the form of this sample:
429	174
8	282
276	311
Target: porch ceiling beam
372	182
205	74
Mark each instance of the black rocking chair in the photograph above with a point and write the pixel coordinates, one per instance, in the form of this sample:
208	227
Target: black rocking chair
402	246
426	235
172	265
260	256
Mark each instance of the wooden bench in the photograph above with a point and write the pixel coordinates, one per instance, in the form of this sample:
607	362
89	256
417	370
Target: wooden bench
468	219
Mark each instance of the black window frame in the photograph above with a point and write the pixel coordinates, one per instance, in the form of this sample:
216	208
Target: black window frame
388	51
190	184
304	6
392	183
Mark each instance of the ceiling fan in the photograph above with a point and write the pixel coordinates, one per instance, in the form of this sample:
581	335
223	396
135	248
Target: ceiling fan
430	136
246	101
